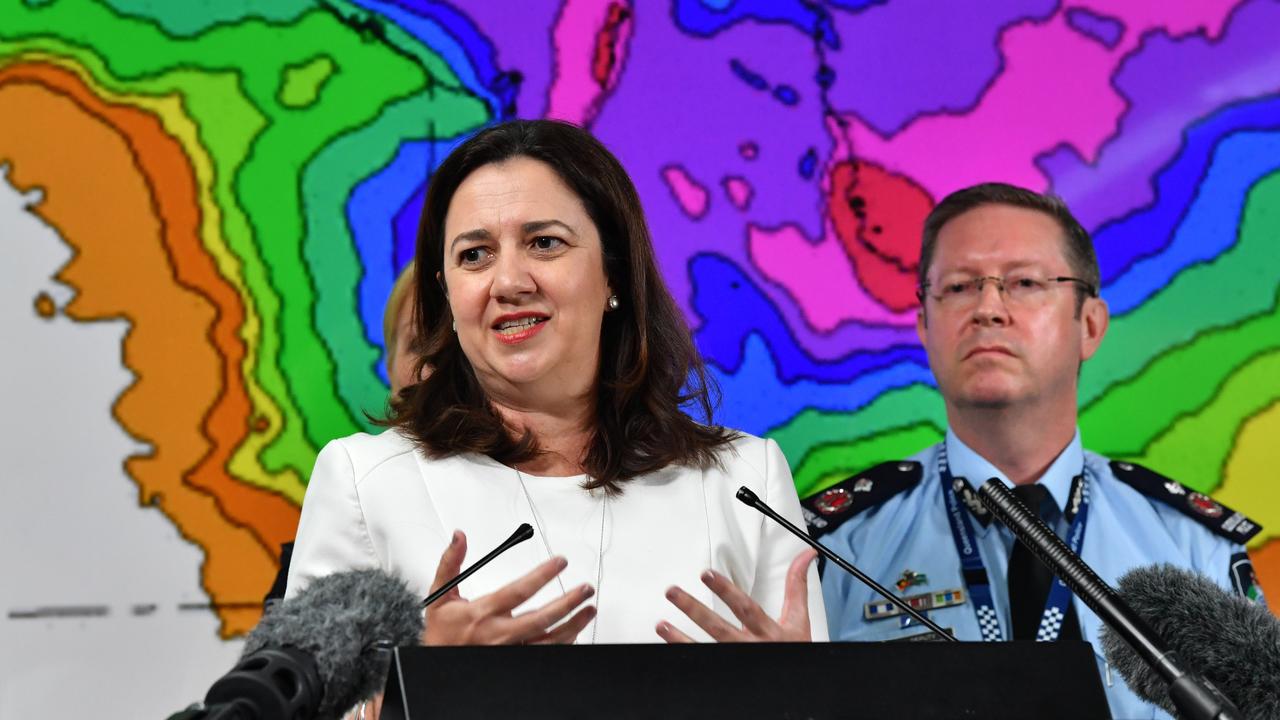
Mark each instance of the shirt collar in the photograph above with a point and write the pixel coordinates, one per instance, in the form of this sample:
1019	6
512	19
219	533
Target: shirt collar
966	463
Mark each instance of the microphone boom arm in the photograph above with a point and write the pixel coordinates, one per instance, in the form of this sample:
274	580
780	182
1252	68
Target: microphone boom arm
522	533
1193	696
747	497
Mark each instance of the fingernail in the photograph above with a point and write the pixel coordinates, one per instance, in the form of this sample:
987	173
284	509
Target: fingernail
457	538
664	627
587	591
671	593
708	576
561	563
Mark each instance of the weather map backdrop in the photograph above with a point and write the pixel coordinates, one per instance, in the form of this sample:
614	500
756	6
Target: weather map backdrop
203	207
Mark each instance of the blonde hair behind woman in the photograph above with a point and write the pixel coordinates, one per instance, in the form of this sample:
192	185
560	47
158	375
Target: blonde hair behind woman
398	332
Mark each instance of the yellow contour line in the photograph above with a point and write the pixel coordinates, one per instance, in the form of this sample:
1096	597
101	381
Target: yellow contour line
244	463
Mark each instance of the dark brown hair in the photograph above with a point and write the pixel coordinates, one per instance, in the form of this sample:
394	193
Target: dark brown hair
1077	245
649	367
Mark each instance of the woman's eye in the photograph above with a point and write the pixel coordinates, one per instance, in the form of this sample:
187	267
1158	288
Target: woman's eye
547	242
470	256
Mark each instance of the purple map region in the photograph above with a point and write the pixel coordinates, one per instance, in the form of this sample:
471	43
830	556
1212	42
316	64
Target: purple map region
1106	30
1150	132
893	65
663	61
521	34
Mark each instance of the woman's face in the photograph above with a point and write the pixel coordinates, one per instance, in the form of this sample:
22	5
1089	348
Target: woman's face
524	272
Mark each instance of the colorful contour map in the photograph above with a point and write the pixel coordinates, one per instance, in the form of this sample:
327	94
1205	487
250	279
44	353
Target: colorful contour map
241	182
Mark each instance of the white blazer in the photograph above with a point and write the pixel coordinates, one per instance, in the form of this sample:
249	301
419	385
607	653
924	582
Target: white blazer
375	501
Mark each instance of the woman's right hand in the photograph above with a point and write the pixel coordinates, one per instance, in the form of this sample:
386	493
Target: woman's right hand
487	620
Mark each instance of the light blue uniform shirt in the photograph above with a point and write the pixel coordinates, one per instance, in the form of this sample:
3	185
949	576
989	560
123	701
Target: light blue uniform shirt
909	531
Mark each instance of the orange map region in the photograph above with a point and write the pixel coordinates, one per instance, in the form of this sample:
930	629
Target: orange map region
127	205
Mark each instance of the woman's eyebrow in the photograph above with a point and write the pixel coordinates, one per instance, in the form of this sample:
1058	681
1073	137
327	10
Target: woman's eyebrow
534	226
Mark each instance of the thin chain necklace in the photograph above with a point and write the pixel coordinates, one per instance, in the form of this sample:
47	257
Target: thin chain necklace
537	520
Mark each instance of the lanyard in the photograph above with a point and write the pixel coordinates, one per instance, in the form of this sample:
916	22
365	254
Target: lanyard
975	571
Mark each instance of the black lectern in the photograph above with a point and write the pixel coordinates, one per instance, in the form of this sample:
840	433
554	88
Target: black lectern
768	680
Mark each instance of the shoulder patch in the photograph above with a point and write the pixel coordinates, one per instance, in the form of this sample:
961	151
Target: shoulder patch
1243	578
827	509
1210	513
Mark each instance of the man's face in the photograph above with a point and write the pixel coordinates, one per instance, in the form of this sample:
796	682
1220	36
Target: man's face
992	352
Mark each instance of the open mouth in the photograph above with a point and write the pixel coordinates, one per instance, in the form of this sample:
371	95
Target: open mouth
511	327
517	326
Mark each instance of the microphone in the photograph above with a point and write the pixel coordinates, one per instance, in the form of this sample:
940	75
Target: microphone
522	533
1233	641
1191	695
747	497
318	654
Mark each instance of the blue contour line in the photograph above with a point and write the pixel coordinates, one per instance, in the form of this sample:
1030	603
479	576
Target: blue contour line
756	401
451	36
732	308
753	79
370	211
1175	189
1209	225
695	18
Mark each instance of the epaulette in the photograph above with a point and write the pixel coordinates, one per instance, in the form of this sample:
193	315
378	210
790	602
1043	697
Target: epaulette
824	511
1219	518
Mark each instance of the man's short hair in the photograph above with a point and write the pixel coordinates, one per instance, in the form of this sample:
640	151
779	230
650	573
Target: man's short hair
1077	245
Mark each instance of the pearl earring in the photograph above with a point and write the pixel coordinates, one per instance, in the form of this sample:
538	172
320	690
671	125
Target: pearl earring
614	302
455	326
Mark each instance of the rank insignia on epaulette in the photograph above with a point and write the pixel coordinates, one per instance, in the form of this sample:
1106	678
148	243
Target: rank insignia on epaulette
882	609
833	500
1204	505
1208	512
969	497
825	510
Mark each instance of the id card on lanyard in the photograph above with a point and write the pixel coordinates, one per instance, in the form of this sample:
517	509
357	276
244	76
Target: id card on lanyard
974	569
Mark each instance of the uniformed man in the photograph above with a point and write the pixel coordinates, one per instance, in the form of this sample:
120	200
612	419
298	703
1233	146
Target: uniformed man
1009	310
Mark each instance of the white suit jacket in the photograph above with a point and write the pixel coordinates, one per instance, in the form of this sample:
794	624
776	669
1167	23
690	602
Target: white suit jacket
375	501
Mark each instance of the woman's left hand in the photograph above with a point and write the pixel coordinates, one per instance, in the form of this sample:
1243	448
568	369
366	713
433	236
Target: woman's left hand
791	626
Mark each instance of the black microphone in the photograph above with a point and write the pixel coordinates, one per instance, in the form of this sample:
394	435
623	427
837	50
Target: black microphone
1231	640
1192	696
522	533
318	654
747	497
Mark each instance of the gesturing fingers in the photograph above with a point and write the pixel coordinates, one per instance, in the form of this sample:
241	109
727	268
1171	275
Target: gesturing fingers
513	594
568	631
535	622
668	632
704	617
450	565
748	611
795	603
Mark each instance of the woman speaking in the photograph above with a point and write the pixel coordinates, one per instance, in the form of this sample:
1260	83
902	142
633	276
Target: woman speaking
560	365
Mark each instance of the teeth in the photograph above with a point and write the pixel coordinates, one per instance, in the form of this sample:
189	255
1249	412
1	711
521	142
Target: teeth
510	327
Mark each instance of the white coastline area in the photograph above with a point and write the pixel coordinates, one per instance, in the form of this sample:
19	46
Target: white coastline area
72	532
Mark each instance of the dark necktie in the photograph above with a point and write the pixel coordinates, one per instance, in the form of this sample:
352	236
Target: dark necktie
1030	580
